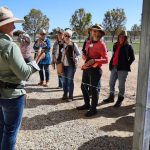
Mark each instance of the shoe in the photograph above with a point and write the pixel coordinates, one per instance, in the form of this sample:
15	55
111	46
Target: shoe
65	97
84	107
46	84
41	83
110	99
119	101
70	99
91	112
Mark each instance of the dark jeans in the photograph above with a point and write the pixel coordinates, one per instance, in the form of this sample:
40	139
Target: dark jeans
91	79
44	68
60	84
68	77
10	119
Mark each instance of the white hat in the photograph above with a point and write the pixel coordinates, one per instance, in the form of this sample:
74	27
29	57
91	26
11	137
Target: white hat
6	16
43	31
69	32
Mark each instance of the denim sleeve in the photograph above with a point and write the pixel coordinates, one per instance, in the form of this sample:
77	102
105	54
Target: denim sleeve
48	45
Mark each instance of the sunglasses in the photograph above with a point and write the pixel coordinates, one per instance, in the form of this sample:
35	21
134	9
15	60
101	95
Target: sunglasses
66	36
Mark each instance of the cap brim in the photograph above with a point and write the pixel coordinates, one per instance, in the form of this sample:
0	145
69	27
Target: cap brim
103	32
15	20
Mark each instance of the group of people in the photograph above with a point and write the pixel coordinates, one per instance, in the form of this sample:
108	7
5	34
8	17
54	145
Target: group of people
17	65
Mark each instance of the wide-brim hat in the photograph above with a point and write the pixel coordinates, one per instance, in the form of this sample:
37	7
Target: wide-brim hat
43	31
124	33
6	17
99	28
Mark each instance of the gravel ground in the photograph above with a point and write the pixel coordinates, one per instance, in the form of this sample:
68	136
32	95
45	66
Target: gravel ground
52	124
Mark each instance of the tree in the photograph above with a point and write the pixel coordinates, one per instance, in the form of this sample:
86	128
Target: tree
17	32
35	21
80	21
135	30
114	21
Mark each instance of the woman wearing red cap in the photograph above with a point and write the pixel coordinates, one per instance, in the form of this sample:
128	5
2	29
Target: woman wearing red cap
96	55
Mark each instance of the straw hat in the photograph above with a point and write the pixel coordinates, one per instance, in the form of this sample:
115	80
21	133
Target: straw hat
99	28
6	16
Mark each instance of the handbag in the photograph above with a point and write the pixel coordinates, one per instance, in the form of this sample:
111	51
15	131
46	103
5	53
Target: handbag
60	69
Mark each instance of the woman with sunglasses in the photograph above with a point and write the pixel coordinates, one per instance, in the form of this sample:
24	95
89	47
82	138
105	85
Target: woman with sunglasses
123	57
43	43
96	55
57	54
70	56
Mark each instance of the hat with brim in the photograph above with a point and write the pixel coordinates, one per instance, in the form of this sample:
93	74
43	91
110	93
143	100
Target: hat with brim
123	33
6	17
99	28
69	32
43	31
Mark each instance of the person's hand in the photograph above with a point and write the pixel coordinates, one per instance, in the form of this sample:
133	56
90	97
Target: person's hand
90	62
84	67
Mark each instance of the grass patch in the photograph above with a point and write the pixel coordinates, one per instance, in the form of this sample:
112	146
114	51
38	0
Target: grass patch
136	46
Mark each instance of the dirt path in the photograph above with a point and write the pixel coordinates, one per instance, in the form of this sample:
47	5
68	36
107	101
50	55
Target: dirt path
51	124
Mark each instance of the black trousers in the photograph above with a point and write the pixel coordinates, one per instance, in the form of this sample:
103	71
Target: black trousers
91	80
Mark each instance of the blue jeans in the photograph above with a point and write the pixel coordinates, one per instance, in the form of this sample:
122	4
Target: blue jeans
60	84
44	68
121	76
68	77
11	111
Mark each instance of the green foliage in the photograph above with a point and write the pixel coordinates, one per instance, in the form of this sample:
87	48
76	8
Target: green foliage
114	21
80	21
135	30
35	21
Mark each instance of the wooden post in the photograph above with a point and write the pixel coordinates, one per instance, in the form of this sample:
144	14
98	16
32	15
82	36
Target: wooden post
141	136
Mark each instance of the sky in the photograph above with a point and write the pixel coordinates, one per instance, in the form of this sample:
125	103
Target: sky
60	11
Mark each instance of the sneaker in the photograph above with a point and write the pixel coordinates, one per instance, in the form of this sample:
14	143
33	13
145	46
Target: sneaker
70	99
46	84
91	112
84	107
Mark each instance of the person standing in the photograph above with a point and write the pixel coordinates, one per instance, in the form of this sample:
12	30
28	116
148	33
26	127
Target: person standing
43	45
122	58
13	72
57	54
25	46
96	55
70	58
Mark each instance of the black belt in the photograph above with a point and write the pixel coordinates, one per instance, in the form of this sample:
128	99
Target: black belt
7	85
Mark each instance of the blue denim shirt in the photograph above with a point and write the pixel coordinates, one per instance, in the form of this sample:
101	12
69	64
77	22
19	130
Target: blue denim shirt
47	59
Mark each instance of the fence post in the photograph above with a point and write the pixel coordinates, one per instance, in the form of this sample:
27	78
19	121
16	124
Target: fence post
141	136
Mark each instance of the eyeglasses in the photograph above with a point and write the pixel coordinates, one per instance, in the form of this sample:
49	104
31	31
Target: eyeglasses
66	36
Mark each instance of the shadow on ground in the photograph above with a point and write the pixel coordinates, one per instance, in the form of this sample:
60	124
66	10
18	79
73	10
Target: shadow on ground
108	143
53	118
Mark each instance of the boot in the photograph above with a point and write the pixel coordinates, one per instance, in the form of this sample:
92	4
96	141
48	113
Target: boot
83	107
65	96
110	99
119	101
91	112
